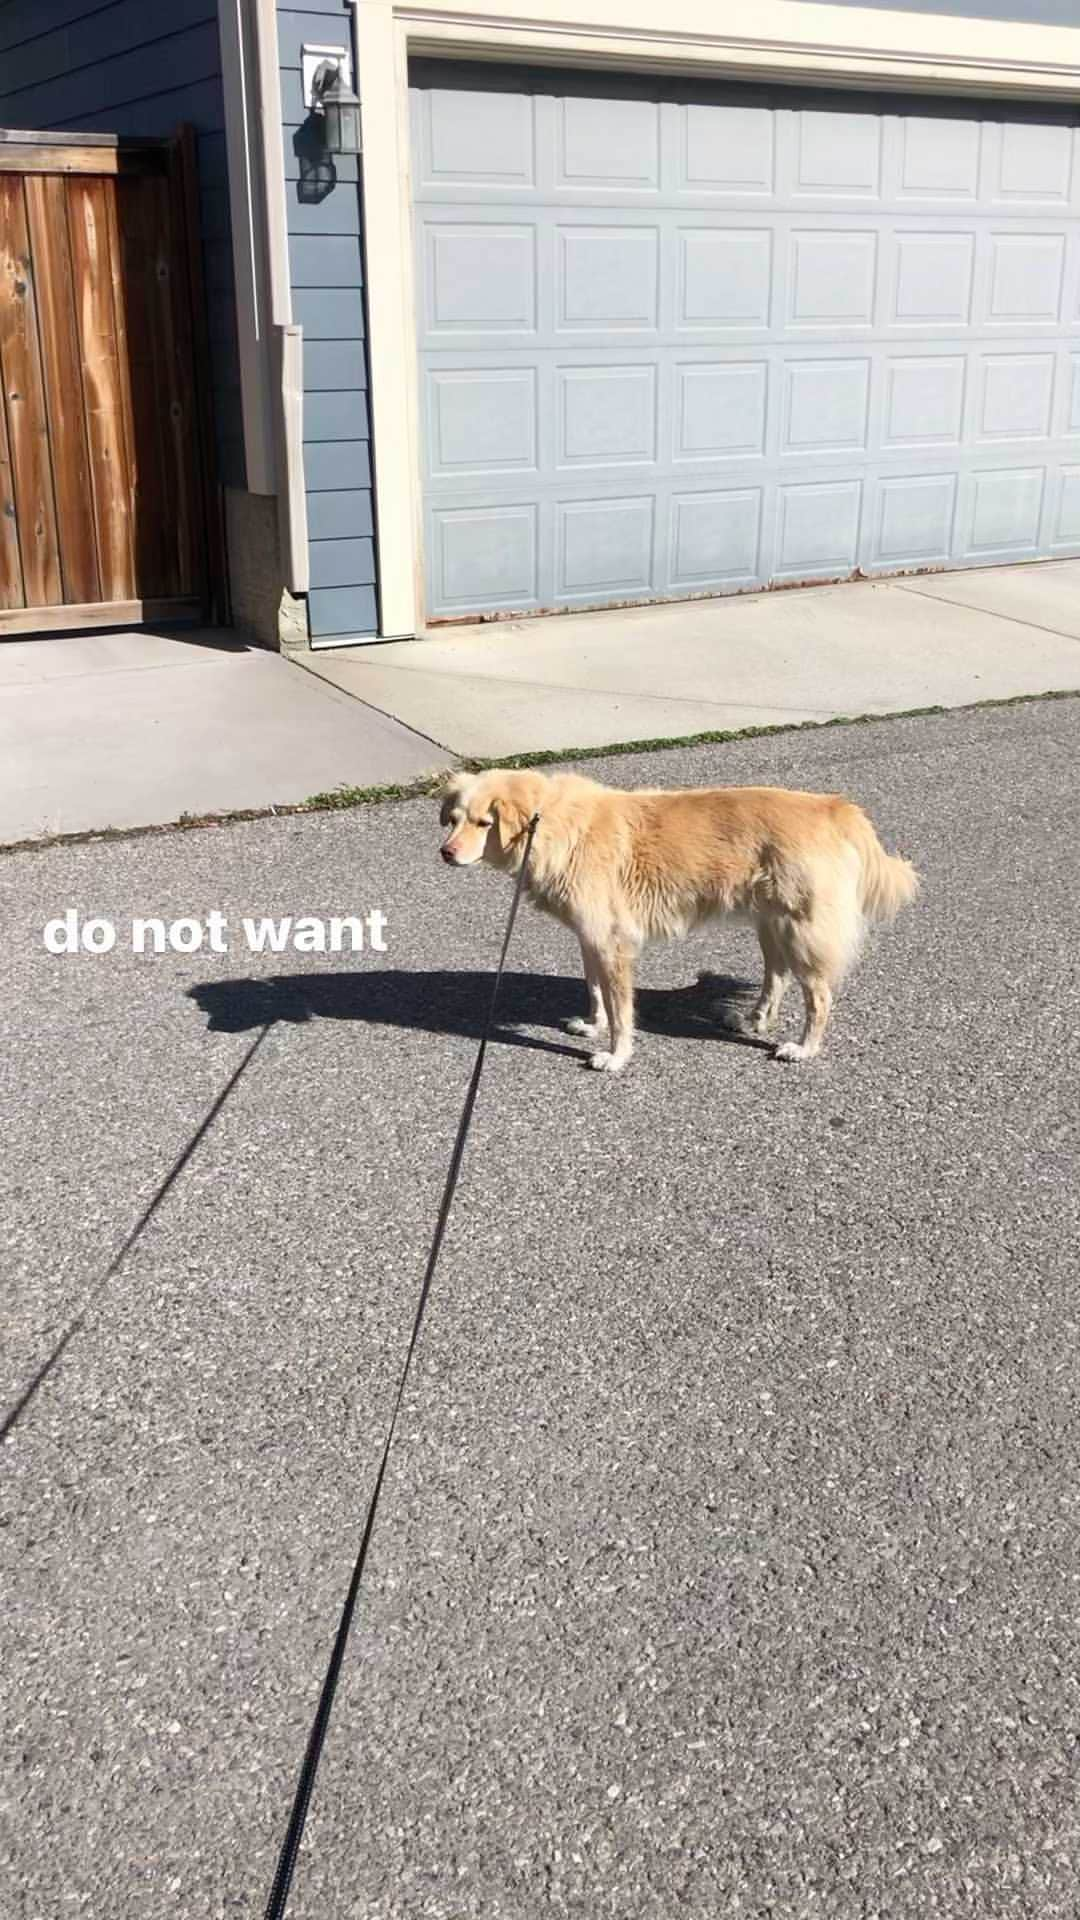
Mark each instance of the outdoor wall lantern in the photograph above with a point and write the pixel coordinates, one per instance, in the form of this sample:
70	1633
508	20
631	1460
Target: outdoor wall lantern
334	101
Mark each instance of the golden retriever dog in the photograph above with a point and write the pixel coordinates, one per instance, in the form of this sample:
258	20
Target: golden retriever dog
805	870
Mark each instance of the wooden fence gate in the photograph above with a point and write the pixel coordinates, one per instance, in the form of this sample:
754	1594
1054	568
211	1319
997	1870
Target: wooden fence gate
104	442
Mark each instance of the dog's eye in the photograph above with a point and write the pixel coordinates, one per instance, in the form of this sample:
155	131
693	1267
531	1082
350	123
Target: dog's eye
487	821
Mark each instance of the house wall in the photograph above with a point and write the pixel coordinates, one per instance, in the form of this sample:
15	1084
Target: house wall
138	68
325	264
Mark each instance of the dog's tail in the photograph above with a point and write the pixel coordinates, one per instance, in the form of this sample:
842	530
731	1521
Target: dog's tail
886	882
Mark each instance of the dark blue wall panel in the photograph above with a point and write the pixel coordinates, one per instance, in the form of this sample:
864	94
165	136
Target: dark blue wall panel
326	267
138	67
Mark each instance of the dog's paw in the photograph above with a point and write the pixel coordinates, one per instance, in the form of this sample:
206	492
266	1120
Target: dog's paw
585	1029
608	1062
792	1050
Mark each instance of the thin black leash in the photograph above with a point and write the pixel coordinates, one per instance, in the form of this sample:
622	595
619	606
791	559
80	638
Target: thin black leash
279	1893
15	1413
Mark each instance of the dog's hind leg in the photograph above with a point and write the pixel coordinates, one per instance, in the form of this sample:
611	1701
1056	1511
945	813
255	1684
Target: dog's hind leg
592	1027
777	979
818	950
617	987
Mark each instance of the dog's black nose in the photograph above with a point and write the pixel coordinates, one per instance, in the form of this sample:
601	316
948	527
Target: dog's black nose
447	856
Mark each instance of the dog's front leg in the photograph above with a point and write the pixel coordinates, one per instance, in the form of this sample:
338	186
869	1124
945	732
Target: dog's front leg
617	987
593	1026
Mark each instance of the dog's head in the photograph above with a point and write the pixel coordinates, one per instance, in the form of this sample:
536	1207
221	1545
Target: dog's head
488	816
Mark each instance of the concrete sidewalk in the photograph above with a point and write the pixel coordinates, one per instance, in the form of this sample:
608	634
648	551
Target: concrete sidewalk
770	659
136	729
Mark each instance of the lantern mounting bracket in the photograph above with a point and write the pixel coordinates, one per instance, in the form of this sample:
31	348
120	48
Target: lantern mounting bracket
311	59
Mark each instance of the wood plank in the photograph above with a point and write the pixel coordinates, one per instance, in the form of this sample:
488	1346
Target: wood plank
20	360
136	248
34	137
11	580
99	613
163	390
101	318
104	161
62	362
181	444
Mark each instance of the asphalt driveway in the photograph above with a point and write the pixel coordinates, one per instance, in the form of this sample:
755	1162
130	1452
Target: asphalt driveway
729	1561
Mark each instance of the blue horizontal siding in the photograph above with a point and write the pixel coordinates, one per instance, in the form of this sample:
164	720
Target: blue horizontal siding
326	270
293	108
342	563
139	67
21	22
338	213
333	366
315	182
342	611
339	516
105	34
320	27
330	313
165	64
325	260
319	6
336	466
336	416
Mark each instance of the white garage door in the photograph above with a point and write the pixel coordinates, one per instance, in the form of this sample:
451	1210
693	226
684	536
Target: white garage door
685	342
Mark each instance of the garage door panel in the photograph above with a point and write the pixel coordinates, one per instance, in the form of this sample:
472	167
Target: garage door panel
1026	279
473	139
817	528
1015	396
1033	166
938	160
832	279
923	400
1070	393
837	155
486	555
932	279
911	521
608	278
826	406
720	409
606	414
715	539
604	547
1001	510
480	278
1065	528
729	150
674	346
482	420
607	143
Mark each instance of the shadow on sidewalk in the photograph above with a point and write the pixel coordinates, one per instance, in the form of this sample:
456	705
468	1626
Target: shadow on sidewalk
444	1002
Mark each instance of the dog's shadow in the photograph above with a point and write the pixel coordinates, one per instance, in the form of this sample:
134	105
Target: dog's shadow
443	1002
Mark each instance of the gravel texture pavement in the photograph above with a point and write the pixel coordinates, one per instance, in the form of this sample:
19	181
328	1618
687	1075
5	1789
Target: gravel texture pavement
729	1561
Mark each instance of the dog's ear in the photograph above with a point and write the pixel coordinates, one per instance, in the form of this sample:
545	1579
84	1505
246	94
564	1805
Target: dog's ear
509	818
513	805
